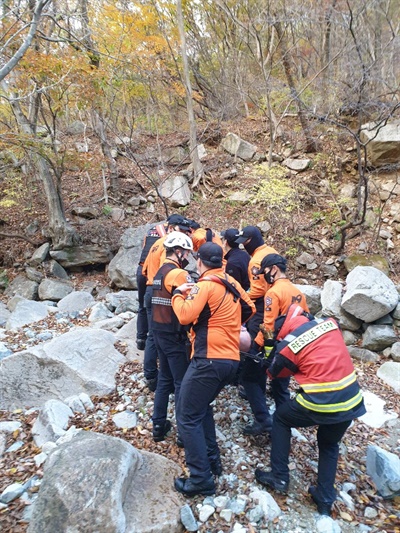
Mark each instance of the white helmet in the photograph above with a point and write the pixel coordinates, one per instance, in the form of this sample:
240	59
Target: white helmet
176	239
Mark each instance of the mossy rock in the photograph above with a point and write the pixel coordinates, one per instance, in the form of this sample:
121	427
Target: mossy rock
374	260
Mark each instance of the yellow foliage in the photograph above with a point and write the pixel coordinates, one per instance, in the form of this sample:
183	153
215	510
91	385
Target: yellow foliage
274	189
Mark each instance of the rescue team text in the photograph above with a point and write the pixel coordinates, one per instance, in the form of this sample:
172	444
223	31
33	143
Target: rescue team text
311	335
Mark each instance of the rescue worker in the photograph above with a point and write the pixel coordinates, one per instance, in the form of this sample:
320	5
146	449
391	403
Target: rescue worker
152	263
216	306
142	326
282	293
314	352
203	235
169	336
253	378
237	260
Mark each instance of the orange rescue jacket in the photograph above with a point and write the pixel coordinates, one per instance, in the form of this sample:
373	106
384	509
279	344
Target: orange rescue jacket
215	314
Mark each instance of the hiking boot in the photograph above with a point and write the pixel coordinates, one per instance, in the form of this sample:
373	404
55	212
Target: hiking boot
323	508
141	344
160	431
242	392
257	429
268	479
152	384
216	466
189	488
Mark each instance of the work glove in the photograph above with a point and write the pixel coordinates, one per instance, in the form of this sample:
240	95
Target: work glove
268	353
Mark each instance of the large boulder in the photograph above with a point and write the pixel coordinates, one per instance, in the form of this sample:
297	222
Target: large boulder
384	469
122	268
26	312
389	372
313	297
383	142
370	294
236	146
83	255
23	287
54	289
375	260
97	483
176	191
378	337
82	360
76	301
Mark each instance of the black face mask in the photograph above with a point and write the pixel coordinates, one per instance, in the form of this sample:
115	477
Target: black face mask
268	278
183	262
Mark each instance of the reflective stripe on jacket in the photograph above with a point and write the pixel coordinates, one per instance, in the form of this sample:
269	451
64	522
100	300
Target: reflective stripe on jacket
314	352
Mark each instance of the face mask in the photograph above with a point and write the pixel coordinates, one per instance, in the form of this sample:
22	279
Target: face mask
269	278
182	261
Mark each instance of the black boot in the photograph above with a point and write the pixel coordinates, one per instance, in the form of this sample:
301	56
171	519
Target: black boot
160	431
189	488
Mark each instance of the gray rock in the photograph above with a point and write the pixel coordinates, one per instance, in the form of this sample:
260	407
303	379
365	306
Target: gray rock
384	469
313	297
76	301
26	312
88	211
373	260
126	419
75	404
4	351
305	259
269	506
240	197
82	360
76	128
109	324
331	297
34	275
349	337
383	142
122	301
176	191
378	337
23	287
237	147
51	423
12	492
389	372
348	321
54	290
370	294
297	165
83	255
396	312
122	268
188	519
100	312
85	484
361	354
56	270
4	314
395	352
10	426
40	254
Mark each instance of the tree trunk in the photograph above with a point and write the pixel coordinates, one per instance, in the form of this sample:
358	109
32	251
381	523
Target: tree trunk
60	231
311	145
194	154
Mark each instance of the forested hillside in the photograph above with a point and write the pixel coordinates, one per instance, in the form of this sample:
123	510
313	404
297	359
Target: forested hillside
101	100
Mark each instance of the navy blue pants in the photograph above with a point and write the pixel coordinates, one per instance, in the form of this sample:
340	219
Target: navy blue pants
253	376
292	414
203	381
150	367
142	327
173	363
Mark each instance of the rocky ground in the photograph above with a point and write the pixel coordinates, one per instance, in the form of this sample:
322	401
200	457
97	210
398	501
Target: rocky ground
363	510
